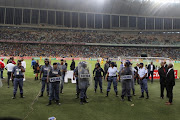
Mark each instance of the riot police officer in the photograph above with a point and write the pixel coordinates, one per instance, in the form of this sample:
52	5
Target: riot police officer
142	73
83	81
98	77
112	77
54	74
126	77
45	70
18	79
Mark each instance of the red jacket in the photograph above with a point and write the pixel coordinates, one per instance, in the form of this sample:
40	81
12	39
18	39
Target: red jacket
1	65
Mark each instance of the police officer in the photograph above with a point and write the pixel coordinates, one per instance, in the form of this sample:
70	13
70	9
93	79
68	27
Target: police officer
106	66
142	73
126	78
54	85
72	66
63	70
98	77
83	81
18	78
112	77
45	70
97	62
75	75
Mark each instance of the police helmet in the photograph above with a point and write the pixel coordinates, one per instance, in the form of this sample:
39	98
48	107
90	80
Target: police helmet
46	59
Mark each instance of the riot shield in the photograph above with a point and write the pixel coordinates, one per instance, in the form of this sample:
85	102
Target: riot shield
83	75
126	73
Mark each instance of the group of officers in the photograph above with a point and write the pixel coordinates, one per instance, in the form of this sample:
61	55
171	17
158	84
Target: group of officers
126	75
53	78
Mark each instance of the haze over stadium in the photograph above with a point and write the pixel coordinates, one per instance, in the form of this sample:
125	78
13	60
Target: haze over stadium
122	33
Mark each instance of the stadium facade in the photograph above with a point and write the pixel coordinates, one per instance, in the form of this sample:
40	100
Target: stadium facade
93	14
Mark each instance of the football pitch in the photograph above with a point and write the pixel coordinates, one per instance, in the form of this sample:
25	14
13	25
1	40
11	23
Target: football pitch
99	107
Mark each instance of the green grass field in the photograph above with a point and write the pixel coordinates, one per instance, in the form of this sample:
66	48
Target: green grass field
98	108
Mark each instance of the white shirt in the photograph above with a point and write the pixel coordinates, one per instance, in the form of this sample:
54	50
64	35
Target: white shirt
142	72
112	71
151	67
169	70
23	64
9	67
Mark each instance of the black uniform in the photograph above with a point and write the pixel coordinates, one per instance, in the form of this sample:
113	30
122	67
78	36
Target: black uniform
72	67
98	77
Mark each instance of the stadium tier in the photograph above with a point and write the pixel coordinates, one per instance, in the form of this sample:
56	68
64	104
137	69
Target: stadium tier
80	36
16	49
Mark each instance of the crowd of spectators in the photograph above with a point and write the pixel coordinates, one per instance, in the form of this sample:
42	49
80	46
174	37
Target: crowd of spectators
16	49
49	35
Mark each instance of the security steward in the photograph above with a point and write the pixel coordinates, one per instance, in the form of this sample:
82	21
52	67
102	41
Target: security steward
126	75
112	77
53	79
98	77
142	73
45	70
18	79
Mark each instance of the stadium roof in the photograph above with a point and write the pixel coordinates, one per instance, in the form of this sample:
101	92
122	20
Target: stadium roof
162	8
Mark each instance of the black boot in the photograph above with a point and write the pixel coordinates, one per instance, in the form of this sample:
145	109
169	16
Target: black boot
122	98
129	99
134	93
81	102
41	94
22	95
14	96
85	101
49	103
101	91
95	90
117	94
61	91
107	94
147	95
57	102
142	96
35	78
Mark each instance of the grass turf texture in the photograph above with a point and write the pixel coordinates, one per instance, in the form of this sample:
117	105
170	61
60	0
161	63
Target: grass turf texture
98	108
